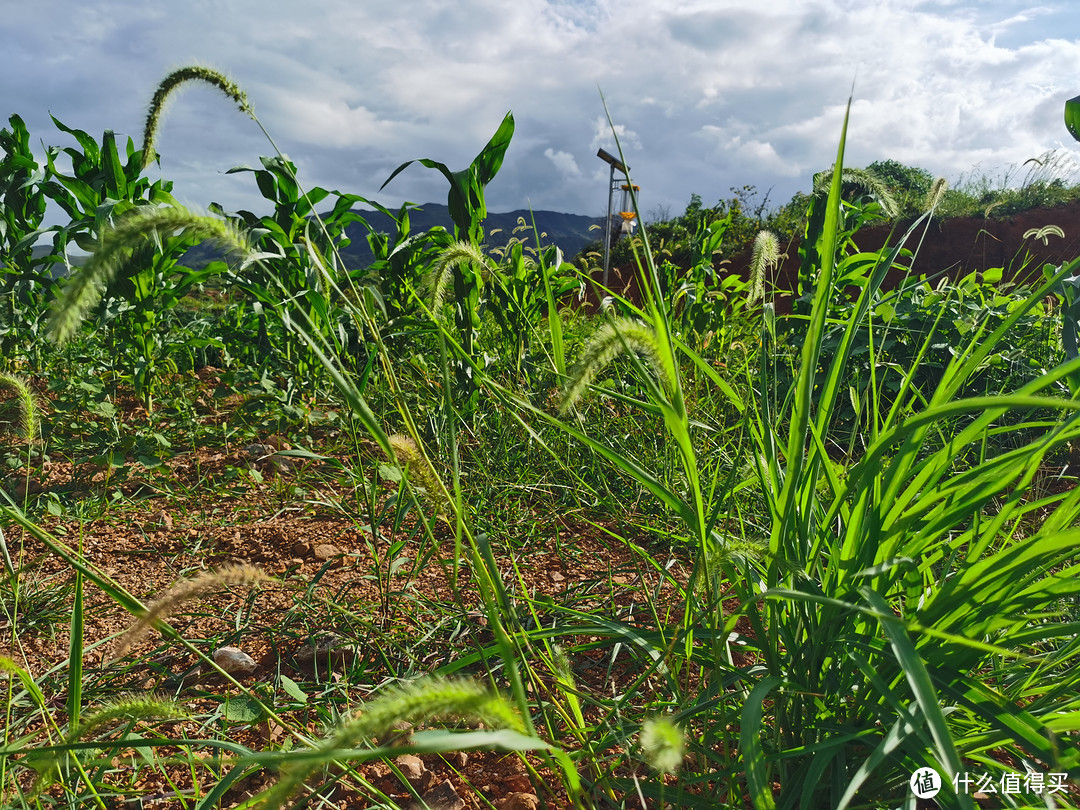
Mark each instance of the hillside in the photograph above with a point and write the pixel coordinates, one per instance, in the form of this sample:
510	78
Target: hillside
571	232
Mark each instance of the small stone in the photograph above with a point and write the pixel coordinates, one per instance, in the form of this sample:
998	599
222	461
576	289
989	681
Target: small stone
258	451
327	650
279	442
458	759
325	551
282	463
557	577
519	801
410	765
301	548
234	661
517	783
399	734
413	769
443	797
379	770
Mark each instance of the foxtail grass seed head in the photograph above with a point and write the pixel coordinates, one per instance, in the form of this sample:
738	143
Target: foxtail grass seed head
415	703
724	549
241	575
936	193
1044	233
561	668
85	287
174	81
425	699
126	708
27	422
437	282
764	258
607	343
419	470
663	744
864	181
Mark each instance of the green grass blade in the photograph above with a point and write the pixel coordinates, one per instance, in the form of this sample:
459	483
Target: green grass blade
824	245
921	685
75	654
757	778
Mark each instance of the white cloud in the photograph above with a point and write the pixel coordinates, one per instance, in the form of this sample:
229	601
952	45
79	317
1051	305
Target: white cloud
564	162
704	95
604	136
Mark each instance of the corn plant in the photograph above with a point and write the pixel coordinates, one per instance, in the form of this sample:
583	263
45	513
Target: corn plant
524	290
468	210
400	261
27	280
144	281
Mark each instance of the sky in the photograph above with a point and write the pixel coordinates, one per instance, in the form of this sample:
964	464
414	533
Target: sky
705	95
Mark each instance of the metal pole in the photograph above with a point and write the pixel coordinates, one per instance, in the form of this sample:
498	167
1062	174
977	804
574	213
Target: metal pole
607	226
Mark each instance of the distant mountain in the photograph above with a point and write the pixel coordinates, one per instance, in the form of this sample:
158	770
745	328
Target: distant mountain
571	232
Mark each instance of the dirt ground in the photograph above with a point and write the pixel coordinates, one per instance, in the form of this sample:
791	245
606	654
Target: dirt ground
335	615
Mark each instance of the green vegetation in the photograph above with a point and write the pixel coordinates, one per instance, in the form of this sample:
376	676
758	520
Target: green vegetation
903	193
840	544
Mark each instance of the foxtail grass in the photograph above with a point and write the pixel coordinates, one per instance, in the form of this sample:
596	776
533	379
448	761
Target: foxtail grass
861	180
415	703
663	744
241	575
614	338
935	194
417	466
170	85
85	287
1044	233
437	283
126	708
763	260
28	419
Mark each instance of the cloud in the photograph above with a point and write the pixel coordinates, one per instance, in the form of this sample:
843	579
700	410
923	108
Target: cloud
564	162
704	96
604	136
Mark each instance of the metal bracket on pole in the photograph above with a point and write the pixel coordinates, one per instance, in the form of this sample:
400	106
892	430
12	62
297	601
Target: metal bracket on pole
615	163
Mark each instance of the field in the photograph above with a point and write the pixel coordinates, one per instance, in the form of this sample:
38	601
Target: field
460	529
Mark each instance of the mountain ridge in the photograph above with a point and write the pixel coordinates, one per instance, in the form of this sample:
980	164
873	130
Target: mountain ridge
570	232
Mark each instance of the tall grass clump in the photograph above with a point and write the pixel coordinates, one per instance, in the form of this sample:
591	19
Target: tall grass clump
911	605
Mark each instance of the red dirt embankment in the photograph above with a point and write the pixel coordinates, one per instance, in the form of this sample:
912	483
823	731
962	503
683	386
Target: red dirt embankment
958	246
